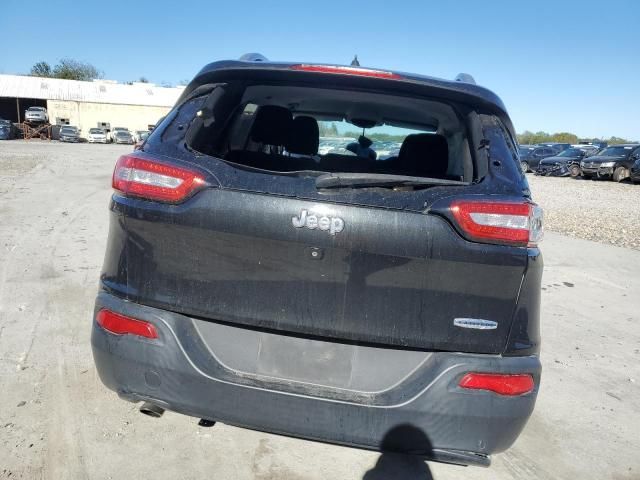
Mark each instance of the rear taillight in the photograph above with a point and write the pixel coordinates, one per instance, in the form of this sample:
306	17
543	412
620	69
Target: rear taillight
508	223
502	384
152	180
359	72
122	325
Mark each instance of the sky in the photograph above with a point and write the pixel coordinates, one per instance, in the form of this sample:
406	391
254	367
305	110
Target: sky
557	65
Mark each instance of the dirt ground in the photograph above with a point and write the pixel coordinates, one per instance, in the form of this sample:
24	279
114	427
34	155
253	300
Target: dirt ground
57	421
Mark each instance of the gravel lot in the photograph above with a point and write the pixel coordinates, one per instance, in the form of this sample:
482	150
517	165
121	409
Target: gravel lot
57	421
599	210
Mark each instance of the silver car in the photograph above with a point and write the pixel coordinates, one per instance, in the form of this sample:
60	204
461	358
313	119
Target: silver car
36	115
122	136
69	134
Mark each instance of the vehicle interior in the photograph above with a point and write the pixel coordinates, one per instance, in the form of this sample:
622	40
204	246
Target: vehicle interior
277	129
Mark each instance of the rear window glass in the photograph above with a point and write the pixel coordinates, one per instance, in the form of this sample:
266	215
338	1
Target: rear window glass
299	128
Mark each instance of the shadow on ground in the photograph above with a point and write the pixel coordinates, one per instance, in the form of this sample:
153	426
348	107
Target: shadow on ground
392	465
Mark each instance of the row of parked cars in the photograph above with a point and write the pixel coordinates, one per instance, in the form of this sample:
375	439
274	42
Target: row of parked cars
594	160
69	133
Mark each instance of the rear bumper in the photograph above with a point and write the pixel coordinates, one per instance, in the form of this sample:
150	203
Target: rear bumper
424	412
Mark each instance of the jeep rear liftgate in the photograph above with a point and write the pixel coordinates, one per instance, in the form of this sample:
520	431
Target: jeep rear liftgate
318	269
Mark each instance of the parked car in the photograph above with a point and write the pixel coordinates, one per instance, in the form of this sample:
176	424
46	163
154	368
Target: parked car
8	130
123	137
391	304
69	133
97	135
558	146
530	156
142	138
112	134
613	162
566	163
140	135
36	115
635	172
598	145
588	149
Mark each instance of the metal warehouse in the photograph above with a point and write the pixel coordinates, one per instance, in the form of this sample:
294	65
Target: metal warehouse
100	103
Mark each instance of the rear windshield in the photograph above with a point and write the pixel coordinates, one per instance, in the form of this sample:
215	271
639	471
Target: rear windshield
571	152
95	130
616	151
285	129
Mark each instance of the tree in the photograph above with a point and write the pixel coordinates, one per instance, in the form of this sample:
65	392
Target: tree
41	69
143	80
328	129
70	69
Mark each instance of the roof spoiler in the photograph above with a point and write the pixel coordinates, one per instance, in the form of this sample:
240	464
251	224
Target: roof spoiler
466	78
253	57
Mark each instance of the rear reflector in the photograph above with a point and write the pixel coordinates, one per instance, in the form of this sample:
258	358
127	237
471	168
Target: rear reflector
510	223
509	385
151	180
121	325
360	72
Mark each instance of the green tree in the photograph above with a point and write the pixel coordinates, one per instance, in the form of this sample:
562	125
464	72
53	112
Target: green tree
328	129
71	69
41	69
564	137
617	140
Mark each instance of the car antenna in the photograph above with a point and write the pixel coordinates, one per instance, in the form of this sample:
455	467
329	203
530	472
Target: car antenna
355	62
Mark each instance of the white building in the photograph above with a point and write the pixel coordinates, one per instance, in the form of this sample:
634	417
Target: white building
101	103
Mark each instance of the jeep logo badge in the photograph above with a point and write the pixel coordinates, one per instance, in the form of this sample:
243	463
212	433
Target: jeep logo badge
332	225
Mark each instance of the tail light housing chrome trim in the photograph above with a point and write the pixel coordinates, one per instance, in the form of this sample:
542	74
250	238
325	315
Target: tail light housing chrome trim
154	180
502	222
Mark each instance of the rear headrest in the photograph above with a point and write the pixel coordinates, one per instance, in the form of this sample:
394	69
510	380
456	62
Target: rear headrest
304	136
424	154
271	125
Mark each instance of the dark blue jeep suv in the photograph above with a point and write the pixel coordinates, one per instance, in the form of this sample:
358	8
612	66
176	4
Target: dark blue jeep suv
339	297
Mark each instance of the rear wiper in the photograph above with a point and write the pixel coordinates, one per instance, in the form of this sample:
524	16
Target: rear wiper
371	180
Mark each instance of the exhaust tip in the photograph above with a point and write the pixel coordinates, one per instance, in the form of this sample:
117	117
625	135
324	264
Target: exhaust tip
151	410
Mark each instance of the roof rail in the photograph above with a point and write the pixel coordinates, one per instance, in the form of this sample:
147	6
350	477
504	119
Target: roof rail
253	57
466	78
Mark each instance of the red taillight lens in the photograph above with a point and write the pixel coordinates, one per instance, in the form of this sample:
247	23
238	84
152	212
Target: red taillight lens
510	223
140	177
360	72
509	385
121	325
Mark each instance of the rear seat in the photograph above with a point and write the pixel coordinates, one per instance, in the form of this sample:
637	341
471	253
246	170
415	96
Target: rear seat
271	127
421	155
302	144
